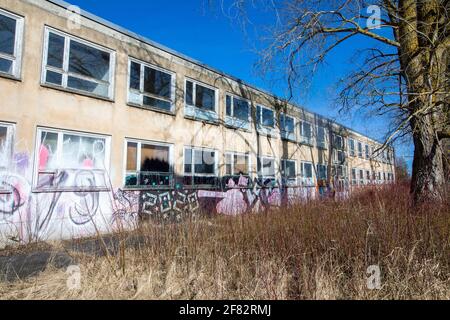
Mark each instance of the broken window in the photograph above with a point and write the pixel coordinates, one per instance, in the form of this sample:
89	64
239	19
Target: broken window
306	132
307	174
150	86
148	164
200	96
321	134
288	170
266	167
71	160
76	64
200	166
237	164
237	109
351	144
11	32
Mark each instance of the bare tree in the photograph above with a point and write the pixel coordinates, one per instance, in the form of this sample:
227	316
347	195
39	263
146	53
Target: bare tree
403	68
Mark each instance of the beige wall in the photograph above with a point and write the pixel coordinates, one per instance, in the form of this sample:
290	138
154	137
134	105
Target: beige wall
30	105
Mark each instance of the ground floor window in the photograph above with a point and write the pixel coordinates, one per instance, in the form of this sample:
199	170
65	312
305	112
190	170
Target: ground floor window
6	136
321	172
67	159
266	168
148	164
289	171
237	164
354	180
307	174
200	166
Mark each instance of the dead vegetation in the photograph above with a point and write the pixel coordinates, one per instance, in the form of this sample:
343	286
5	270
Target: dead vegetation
318	251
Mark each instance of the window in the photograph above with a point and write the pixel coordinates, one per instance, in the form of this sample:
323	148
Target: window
361	177
6	137
287	127
148	164
150	86
351	144
360	150
237	112
307	174
265	118
338	142
368	177
354	181
367	152
321	172
266	167
305	132
237	164
339	156
11	35
201	96
288	170
321	140
68	160
200	166
75	64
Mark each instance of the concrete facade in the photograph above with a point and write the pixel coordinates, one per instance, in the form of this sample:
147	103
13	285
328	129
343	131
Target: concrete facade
31	108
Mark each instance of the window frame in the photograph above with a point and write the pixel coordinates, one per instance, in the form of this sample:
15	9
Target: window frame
367	151
241	154
283	169
231	120
64	71
10	136
287	135
139	143
360	150
261	127
260	174
60	141
318	171
303	178
141	92
303	139
203	149
16	58
194	95
351	151
318	142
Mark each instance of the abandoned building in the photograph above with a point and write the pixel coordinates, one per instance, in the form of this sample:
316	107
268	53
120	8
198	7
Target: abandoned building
99	126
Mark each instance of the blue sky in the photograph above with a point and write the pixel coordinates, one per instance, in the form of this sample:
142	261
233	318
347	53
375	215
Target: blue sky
205	34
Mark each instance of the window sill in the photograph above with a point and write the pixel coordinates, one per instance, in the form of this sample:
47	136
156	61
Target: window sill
74	91
10	77
70	189
156	188
147	108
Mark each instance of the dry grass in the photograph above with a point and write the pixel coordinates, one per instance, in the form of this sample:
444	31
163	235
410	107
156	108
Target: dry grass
318	251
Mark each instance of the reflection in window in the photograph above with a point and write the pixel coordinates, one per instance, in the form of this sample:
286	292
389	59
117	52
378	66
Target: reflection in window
200	96
199	166
62	156
5	146
236	164
11	30
266	167
288	170
265	117
307	174
148	165
237	108
150	87
85	68
306	132
321	133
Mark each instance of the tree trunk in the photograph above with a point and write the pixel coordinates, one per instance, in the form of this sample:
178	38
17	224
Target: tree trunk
428	170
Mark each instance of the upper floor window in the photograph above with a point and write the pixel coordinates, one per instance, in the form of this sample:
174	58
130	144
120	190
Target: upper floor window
338	142
75	64
11	37
287	127
237	164
360	150
237	112
367	151
321	137
148	164
6	136
265	117
200	166
200	96
351	145
306	132
68	160
151	86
